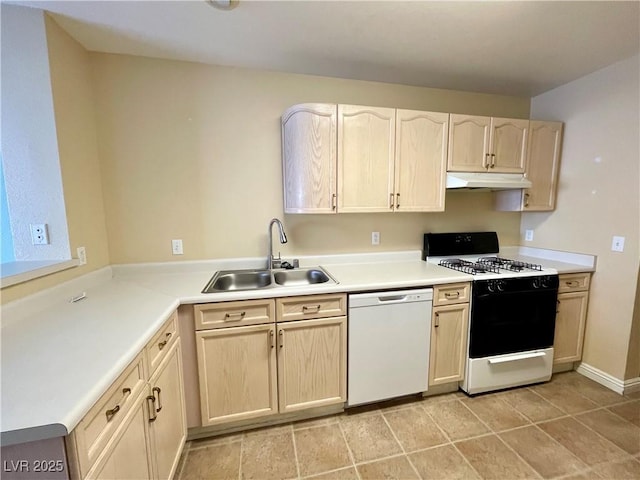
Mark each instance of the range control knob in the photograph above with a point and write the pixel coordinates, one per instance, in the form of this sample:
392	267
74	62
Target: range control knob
491	286
500	285
537	282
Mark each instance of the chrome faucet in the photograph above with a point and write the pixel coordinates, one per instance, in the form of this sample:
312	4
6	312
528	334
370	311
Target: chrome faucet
283	239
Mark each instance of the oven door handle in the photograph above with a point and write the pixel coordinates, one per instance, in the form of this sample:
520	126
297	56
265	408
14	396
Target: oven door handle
519	356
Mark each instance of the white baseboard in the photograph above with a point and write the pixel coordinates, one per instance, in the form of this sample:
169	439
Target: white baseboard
632	385
603	378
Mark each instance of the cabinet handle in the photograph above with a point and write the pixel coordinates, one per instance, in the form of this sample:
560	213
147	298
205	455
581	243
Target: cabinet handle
436	323
391	201
333	201
112	411
572	283
526	199
485	161
271	335
558	306
281	336
234	317
452	295
310	309
158	391
397	200
162	344
152	408
493	160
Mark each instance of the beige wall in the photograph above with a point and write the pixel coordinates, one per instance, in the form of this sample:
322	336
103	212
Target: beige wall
633	357
192	151
77	147
598	198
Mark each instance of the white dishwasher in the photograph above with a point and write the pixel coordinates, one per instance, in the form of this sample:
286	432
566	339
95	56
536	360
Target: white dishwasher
389	339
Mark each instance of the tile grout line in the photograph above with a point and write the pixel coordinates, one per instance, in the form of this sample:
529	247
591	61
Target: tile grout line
415	470
602	436
451	442
497	435
241	455
295	452
353	460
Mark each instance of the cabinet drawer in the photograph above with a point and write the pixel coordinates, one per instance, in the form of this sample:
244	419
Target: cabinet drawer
450	294
233	314
159	345
574	282
98	426
311	306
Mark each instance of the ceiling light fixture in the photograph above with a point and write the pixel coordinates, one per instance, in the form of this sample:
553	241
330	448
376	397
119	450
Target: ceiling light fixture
223	4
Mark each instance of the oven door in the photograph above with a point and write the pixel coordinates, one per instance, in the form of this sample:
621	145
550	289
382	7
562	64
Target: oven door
518	319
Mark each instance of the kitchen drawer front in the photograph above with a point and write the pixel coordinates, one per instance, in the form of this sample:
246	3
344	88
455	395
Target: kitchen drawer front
234	314
160	344
311	306
451	293
98	426
574	282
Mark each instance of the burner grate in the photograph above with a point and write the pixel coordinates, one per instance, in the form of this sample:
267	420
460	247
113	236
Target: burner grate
468	267
507	264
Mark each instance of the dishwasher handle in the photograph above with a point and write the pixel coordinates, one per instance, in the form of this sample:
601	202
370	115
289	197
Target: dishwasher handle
390	297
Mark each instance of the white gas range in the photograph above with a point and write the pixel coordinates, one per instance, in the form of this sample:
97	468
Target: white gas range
513	308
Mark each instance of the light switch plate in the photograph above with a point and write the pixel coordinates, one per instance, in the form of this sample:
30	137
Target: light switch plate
617	245
375	238
528	235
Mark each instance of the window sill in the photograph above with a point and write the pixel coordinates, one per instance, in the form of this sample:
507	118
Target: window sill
12	273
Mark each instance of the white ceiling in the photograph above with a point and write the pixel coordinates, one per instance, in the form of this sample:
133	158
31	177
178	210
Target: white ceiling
517	48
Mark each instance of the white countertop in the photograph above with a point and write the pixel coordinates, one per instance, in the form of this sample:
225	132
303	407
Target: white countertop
59	357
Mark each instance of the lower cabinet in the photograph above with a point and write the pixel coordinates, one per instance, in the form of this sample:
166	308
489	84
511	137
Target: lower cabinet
570	322
128	455
237	373
448	343
167	418
312	363
254	371
449	321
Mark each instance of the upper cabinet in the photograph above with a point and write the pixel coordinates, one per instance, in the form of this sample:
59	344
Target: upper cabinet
380	159
366	146
309	158
487	144
543	162
421	157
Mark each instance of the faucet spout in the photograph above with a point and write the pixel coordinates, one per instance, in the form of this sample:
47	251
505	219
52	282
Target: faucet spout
283	239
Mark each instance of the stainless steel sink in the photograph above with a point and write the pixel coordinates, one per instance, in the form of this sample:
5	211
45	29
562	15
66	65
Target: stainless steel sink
233	280
303	276
228	280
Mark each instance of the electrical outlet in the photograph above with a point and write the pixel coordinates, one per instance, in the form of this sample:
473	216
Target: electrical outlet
528	235
176	247
82	255
375	238
617	245
39	234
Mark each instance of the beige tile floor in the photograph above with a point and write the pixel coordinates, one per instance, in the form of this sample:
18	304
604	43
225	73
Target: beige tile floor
569	428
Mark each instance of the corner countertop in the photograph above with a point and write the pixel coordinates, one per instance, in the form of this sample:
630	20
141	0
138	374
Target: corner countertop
58	357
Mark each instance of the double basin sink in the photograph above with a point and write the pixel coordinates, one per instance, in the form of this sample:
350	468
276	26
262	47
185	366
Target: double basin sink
233	280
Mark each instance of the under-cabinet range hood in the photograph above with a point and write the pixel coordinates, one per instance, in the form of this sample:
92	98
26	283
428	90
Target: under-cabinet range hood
489	181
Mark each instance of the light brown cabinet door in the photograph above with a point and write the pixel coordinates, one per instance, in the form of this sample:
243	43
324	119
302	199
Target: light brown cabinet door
543	162
421	160
366	149
237	373
312	363
448	343
508	148
127	456
168	431
469	137
309	158
570	322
